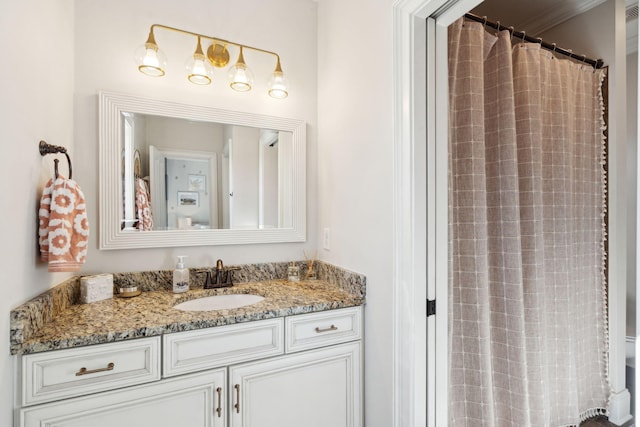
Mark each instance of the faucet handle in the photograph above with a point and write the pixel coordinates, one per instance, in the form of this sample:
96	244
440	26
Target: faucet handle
208	284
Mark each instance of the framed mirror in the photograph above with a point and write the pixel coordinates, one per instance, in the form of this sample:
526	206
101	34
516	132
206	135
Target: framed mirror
172	174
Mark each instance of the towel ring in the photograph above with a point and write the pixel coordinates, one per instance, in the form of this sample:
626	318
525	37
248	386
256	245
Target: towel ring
46	148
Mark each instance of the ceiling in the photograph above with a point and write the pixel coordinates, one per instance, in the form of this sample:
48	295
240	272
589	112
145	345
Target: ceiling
538	16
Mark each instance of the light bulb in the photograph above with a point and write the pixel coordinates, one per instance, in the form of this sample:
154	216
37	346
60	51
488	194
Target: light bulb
278	85
240	76
200	71
150	59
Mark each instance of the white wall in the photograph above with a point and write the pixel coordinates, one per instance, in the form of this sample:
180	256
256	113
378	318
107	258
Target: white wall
107	34
36	83
182	134
355	171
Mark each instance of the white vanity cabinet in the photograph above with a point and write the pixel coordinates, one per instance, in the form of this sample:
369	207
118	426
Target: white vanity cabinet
284	372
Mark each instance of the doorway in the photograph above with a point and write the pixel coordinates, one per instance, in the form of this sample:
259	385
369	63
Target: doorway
421	196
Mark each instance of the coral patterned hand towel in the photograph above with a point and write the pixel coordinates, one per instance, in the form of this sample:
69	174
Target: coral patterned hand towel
64	227
143	205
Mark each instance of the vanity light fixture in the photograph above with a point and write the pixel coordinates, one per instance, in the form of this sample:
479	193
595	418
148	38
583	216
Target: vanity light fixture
152	62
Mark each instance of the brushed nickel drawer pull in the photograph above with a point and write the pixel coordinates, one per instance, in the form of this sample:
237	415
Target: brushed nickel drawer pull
237	405
84	371
219	408
330	328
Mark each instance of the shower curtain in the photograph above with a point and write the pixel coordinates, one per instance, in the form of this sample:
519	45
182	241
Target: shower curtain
528	326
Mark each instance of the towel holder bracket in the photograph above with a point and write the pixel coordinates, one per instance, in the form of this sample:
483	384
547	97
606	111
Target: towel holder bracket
46	148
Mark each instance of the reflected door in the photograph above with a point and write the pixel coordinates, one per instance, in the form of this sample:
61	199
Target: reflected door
157	172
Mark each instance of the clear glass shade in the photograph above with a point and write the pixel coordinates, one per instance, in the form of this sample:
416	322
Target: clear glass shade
199	69
278	85
151	60
240	77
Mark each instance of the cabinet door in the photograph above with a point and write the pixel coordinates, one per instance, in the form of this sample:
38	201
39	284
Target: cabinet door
192	400
317	388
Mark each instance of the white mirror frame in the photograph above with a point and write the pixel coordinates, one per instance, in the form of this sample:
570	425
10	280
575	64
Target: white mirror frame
111	107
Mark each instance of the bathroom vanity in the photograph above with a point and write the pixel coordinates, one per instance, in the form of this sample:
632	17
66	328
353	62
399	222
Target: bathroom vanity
292	359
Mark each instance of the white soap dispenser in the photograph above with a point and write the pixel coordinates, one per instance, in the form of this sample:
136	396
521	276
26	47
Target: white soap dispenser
180	277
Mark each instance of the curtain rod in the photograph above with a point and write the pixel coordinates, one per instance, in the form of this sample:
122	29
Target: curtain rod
596	63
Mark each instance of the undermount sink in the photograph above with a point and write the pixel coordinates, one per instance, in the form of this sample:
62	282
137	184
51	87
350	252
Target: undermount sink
219	302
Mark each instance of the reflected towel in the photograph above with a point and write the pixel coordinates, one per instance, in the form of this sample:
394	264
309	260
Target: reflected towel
64	227
143	205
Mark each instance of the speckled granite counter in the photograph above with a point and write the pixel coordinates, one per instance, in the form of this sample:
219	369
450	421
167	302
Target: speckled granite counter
64	324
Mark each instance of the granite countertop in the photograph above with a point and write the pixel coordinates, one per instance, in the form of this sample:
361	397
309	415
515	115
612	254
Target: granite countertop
152	313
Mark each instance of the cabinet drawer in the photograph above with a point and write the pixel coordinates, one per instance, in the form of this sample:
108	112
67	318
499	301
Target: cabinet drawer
61	374
213	347
314	330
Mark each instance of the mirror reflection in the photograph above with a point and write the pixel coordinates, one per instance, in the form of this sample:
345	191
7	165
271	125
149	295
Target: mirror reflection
175	174
180	174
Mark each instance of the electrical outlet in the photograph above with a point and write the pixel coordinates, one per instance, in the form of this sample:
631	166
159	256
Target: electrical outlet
326	239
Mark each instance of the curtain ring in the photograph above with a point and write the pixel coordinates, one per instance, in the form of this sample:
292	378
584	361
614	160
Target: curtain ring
484	24
511	30
584	58
539	40
554	47
524	35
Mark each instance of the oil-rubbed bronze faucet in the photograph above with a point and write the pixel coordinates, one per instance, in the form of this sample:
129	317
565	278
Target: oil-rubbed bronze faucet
223	277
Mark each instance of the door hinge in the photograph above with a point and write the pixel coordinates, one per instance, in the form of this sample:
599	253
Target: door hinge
431	307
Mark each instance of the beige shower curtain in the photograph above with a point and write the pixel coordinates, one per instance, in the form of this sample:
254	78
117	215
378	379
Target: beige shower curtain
528	325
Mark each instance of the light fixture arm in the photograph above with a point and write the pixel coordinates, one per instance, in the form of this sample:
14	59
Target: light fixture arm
199	48
216	40
151	41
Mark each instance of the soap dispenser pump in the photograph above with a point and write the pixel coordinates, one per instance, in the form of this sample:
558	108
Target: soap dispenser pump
180	277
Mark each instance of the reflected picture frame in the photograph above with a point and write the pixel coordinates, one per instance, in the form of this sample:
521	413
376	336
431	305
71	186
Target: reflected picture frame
197	183
188	199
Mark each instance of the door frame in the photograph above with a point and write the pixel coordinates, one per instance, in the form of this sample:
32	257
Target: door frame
420	208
